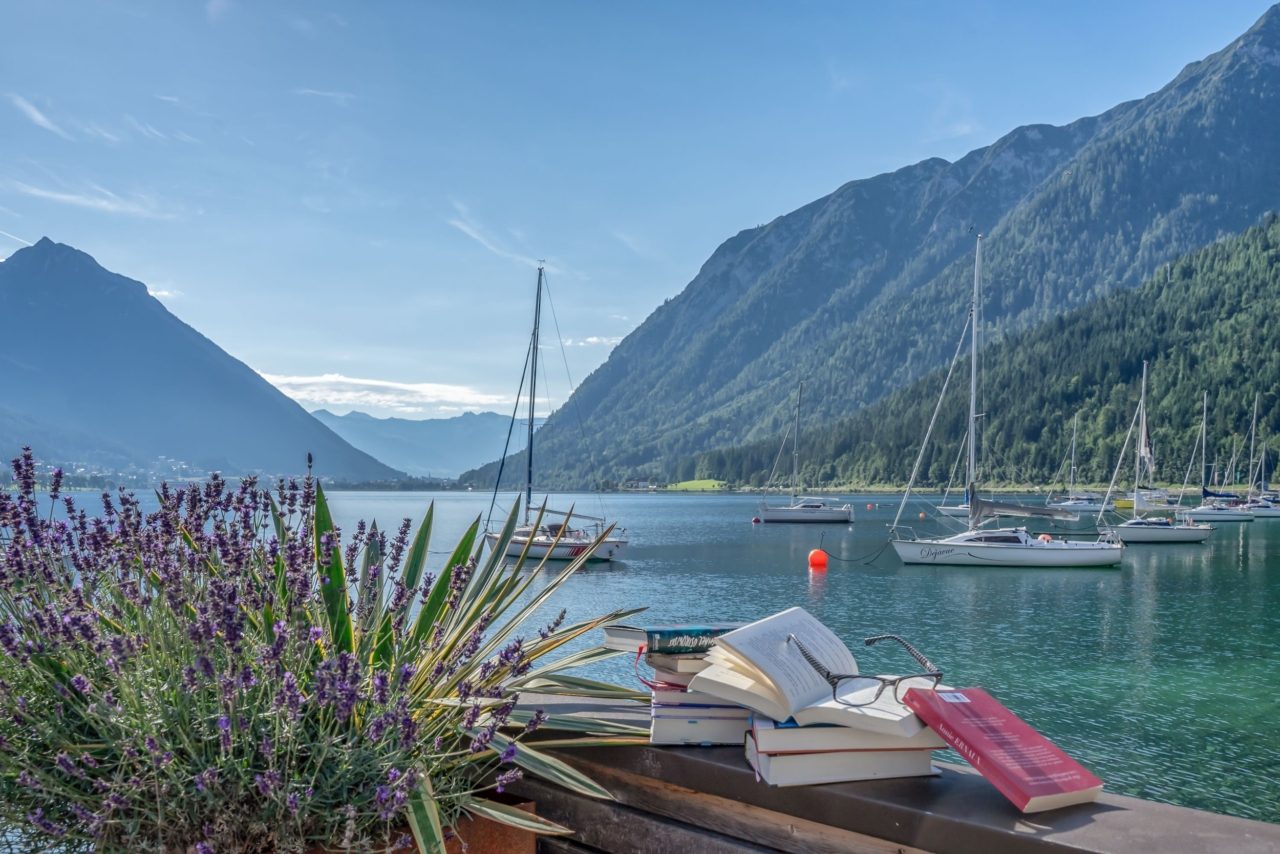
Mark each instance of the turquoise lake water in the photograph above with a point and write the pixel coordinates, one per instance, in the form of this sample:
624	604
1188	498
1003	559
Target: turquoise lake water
1162	676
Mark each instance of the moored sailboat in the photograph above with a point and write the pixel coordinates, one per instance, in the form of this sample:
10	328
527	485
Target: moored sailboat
1011	547
576	534
1149	529
803	508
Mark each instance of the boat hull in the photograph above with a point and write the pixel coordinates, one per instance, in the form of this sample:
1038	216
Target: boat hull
1059	553
1219	514
1159	534
542	548
831	515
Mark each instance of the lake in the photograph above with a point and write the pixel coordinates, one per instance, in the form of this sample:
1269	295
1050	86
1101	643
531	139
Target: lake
1161	676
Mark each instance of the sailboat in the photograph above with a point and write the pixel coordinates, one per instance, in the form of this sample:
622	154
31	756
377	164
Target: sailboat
1259	505
1077	502
803	508
979	546
1216	506
575	534
1150	529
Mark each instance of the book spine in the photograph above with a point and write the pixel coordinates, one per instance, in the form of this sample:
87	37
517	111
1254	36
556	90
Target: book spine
682	642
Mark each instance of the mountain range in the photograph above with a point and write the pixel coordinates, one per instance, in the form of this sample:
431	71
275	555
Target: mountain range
95	369
436	447
857	293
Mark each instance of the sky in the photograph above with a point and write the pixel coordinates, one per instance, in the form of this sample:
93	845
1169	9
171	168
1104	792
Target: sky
352	198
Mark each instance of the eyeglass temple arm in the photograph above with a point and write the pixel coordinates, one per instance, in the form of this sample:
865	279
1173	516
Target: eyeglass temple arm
915	653
813	662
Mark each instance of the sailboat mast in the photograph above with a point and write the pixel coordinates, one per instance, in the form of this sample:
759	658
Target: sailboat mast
1142	433
533	396
1253	438
1204	429
795	450
1075	422
973	376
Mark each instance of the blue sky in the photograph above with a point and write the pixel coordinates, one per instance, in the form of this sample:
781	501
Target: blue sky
349	197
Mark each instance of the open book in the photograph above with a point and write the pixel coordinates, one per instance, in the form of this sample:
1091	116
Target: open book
756	667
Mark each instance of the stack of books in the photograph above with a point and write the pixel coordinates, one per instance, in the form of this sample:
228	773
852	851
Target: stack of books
801	733
676	654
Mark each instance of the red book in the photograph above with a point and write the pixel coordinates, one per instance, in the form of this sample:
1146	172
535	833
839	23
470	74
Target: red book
1026	767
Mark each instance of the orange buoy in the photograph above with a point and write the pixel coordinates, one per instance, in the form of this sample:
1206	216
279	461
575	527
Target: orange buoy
1045	538
868	506
921	514
818	559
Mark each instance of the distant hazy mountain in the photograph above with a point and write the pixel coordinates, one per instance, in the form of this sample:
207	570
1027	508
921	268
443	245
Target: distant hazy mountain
95	369
857	293
436	447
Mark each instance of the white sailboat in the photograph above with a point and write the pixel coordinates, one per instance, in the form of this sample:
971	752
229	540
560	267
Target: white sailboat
803	508
575	534
1257	503
1077	501
1150	529
1216	507
1012	547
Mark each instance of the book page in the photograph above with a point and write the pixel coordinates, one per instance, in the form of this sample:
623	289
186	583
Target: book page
764	644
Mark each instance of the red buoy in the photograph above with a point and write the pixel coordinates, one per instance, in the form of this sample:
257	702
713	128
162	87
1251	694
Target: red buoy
755	520
818	559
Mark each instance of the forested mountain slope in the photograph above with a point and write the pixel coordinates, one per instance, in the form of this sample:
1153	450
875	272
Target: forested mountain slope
1205	322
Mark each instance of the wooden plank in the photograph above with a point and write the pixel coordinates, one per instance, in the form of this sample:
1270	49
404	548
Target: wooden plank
734	818
616	829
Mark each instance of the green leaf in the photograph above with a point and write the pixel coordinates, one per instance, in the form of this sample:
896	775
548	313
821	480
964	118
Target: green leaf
435	602
333	580
509	815
424	818
575	686
549	768
572	723
417	557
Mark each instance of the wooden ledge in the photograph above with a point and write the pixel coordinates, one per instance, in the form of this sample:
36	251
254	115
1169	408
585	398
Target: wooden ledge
686	799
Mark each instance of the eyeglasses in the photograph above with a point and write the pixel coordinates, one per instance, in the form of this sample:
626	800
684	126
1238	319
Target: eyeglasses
844	685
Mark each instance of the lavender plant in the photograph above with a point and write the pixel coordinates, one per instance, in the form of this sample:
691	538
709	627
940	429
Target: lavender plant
225	674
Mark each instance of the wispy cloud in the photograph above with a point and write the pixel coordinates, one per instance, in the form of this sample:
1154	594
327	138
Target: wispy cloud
594	341
467	224
16	238
96	130
37	118
952	116
339	98
842	78
168	99
638	245
339	391
146	130
97	198
214	10
164	293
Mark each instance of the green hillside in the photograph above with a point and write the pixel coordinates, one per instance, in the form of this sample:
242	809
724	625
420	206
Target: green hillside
1209	321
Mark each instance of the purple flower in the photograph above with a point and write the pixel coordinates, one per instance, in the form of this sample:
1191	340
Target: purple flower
80	683
506	778
508	753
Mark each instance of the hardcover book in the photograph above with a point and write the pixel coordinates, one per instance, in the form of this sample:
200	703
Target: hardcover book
804	769
668	640
757	667
1026	767
698	726
779	737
